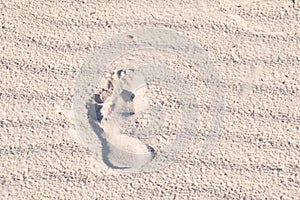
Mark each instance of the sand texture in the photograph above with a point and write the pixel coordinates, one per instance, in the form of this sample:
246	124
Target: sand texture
253	45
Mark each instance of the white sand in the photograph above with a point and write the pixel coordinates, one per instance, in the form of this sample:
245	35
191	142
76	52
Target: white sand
255	46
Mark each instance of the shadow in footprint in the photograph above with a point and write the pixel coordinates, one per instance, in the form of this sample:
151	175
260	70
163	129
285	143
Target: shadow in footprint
93	115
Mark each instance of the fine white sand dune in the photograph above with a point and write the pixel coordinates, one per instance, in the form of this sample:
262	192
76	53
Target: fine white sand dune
254	45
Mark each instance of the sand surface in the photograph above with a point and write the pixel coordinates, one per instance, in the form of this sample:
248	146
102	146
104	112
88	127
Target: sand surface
253	44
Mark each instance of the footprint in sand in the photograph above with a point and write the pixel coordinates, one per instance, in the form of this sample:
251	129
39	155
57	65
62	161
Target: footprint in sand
126	101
